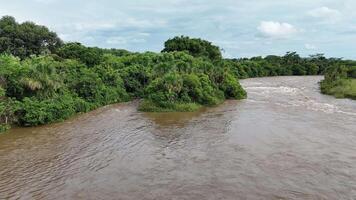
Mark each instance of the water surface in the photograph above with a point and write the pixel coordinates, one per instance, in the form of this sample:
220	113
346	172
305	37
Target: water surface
286	141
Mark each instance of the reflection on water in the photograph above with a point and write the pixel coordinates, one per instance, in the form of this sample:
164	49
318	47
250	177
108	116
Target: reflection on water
286	141
171	119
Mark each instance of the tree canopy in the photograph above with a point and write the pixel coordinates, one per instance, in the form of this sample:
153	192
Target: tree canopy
26	39
194	46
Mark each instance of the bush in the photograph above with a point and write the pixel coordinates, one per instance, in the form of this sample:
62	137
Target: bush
339	82
34	112
87	55
352	72
232	88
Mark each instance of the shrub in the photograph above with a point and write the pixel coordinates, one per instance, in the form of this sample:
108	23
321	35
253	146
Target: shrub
33	112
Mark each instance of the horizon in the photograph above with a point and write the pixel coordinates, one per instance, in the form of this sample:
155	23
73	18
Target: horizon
242	29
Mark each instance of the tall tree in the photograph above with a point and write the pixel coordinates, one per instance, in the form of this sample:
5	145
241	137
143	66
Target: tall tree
26	39
195	47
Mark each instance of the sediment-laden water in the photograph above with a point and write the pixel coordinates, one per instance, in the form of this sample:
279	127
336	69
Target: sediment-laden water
286	141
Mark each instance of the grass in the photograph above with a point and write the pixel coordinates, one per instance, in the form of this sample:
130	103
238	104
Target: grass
343	88
149	106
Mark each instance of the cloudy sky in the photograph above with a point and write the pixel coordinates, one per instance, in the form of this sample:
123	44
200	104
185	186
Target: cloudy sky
243	28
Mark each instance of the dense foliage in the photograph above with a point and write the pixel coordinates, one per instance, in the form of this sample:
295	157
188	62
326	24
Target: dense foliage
44	81
340	81
289	64
47	90
5	111
26	39
195	47
90	56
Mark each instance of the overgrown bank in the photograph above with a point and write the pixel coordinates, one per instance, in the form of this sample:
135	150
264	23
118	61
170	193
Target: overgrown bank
44	80
340	81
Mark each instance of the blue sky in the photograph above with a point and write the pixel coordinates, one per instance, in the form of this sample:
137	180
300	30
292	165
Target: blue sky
243	28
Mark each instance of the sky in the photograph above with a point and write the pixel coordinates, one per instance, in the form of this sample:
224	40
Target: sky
242	28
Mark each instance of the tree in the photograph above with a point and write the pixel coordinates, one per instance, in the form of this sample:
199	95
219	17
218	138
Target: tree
87	55
42	79
195	47
26	39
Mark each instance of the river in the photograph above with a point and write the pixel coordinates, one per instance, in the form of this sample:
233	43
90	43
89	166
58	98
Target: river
285	141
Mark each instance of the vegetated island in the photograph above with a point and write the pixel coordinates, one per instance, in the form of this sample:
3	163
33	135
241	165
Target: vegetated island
44	80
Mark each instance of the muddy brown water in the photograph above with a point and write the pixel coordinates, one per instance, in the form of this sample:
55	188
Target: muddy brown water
286	141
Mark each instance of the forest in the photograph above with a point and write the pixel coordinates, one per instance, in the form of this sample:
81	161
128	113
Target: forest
45	80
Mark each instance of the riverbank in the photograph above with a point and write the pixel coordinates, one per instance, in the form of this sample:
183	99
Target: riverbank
340	82
343	88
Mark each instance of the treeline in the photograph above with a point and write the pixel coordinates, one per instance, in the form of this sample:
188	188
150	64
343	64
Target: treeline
44	80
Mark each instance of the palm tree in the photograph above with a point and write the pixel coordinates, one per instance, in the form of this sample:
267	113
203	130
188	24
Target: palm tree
42	79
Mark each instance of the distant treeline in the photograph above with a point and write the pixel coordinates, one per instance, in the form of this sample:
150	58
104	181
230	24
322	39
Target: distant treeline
44	80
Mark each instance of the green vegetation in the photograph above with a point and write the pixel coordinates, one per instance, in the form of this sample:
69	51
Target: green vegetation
340	81
195	47
43	80
5	111
26	39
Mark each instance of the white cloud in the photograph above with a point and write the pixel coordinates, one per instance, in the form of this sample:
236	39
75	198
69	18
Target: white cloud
144	34
87	26
310	47
277	29
124	40
325	13
127	23
117	40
